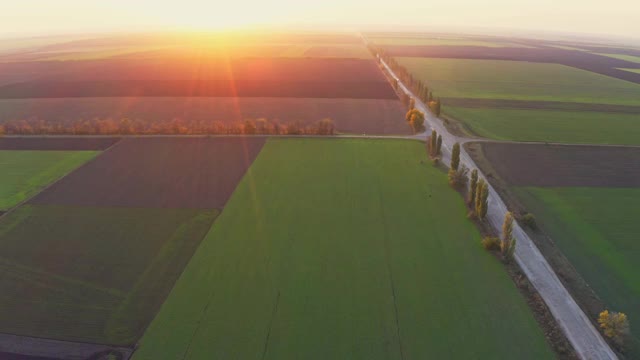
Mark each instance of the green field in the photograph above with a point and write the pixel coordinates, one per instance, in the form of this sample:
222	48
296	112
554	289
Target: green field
25	173
92	274
550	126
430	41
336	249
632	70
596	228
631	58
518	80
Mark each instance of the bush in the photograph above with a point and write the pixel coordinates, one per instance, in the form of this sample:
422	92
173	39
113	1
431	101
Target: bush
415	118
529	221
615	326
491	243
458	178
471	215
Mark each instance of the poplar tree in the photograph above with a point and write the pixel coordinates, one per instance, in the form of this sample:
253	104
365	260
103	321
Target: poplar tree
438	107
433	143
473	185
439	145
482	196
455	156
508	243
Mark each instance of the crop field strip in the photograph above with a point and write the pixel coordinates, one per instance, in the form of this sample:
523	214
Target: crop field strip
516	80
59	143
603	65
303	260
510	100
92	274
560	165
555	126
158	172
259	45
97	268
303	77
401	40
370	116
475	103
585	198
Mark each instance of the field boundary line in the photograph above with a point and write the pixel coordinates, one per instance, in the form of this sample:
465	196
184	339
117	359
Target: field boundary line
387	255
273	315
576	325
62	349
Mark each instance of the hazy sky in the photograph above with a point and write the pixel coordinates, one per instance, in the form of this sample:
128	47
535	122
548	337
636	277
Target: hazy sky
611	17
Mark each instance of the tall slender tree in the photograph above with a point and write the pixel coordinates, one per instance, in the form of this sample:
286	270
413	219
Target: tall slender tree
439	145
508	242
437	107
473	185
433	143
455	156
482	197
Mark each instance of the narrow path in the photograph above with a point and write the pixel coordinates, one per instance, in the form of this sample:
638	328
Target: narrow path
575	324
59	349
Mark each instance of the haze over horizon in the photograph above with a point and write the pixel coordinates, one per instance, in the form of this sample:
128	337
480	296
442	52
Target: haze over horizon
37	17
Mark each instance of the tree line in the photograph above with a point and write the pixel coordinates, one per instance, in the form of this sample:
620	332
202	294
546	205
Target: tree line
614	325
417	86
176	126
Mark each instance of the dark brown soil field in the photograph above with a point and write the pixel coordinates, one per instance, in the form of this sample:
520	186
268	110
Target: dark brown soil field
196	76
370	116
562	165
10	356
57	143
538	105
196	67
582	60
609	50
161	172
187	88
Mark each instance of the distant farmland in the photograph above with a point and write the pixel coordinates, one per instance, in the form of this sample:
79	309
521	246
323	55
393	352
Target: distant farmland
585	198
186	76
261	44
354	249
371	116
494	79
510	100
290	79
401	40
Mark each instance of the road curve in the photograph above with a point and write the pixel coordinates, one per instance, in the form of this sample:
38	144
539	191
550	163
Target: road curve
585	338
